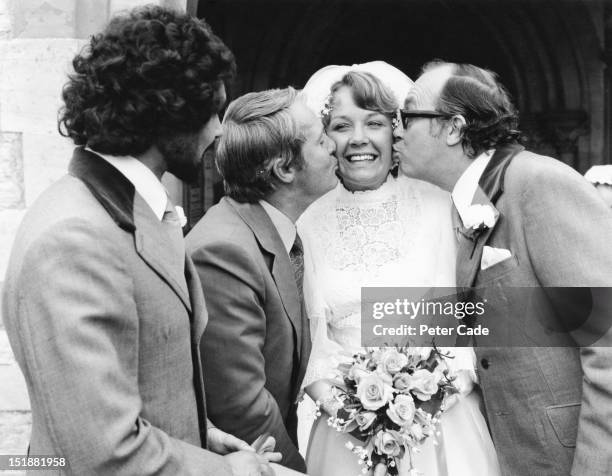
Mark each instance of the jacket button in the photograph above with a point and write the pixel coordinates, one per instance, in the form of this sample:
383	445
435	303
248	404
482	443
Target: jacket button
484	363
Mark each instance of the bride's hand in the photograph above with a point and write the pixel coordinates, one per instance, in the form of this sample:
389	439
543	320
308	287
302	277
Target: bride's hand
380	470
464	381
322	393
330	405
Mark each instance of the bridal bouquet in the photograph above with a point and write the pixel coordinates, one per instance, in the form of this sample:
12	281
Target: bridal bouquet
391	400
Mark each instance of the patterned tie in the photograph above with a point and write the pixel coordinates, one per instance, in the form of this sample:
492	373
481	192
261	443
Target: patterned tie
296	255
172	224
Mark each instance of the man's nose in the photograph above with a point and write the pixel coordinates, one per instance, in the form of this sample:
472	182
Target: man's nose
398	133
331	146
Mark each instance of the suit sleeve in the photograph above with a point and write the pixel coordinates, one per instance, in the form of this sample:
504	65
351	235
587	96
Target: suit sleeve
232	348
79	328
568	232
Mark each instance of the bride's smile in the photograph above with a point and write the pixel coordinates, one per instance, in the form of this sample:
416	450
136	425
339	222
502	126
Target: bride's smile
361	157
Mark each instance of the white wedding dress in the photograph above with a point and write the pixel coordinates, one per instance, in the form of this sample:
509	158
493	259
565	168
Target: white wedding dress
397	235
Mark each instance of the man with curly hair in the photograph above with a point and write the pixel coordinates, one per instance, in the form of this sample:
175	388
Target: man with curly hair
533	239
103	308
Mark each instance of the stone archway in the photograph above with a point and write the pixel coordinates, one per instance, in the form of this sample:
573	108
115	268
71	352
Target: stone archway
548	53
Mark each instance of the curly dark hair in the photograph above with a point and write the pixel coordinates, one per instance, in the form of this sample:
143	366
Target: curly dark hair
151	73
477	95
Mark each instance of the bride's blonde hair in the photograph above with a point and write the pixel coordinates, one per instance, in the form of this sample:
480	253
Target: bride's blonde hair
367	91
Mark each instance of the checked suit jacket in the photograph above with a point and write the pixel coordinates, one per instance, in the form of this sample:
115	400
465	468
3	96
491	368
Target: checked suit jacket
549	408
106	327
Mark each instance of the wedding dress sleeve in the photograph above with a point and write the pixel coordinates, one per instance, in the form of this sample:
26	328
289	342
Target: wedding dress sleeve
325	354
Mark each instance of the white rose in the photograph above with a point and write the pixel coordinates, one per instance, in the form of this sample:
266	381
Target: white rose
357	372
401	411
393	361
478	215
424	384
365	419
373	392
388	443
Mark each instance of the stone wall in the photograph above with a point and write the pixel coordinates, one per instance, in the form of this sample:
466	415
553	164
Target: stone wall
38	40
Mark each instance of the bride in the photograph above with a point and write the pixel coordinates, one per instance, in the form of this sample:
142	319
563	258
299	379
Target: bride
375	229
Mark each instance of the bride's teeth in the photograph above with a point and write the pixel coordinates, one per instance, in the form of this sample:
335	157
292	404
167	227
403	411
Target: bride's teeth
358	158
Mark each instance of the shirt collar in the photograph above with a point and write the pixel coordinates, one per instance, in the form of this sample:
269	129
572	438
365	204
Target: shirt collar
465	188
142	177
283	224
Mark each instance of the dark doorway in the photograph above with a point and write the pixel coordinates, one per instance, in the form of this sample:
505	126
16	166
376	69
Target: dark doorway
547	52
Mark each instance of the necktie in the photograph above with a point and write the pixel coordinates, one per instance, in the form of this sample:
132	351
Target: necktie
296	255
172	224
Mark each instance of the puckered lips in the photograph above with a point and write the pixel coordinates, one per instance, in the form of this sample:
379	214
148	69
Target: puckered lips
360	157
396	152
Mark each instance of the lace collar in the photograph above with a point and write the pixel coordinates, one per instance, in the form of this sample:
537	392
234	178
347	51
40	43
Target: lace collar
385	191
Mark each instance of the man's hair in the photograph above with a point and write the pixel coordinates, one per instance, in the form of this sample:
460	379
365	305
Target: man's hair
151	73
258	128
477	95
367	91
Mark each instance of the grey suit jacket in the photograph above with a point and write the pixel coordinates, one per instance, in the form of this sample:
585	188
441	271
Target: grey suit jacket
257	343
106	329
549	409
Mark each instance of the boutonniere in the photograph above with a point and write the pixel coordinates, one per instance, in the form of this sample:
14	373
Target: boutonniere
181	215
478	218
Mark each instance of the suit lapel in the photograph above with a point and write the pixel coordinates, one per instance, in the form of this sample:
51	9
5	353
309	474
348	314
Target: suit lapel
265	232
469	253
198	324
152	244
110	187
197	300
129	210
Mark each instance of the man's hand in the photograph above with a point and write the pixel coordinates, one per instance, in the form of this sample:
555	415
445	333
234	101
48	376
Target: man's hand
264	446
223	443
249	463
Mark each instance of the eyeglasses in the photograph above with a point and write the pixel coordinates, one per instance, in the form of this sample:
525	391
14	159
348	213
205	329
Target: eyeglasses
406	115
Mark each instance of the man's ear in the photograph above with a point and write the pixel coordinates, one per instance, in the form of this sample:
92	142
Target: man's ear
285	174
455	130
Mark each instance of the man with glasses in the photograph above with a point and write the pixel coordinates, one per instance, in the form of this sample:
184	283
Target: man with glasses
525	222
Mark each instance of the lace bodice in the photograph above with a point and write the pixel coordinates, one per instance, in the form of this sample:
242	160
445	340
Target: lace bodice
397	235
365	228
